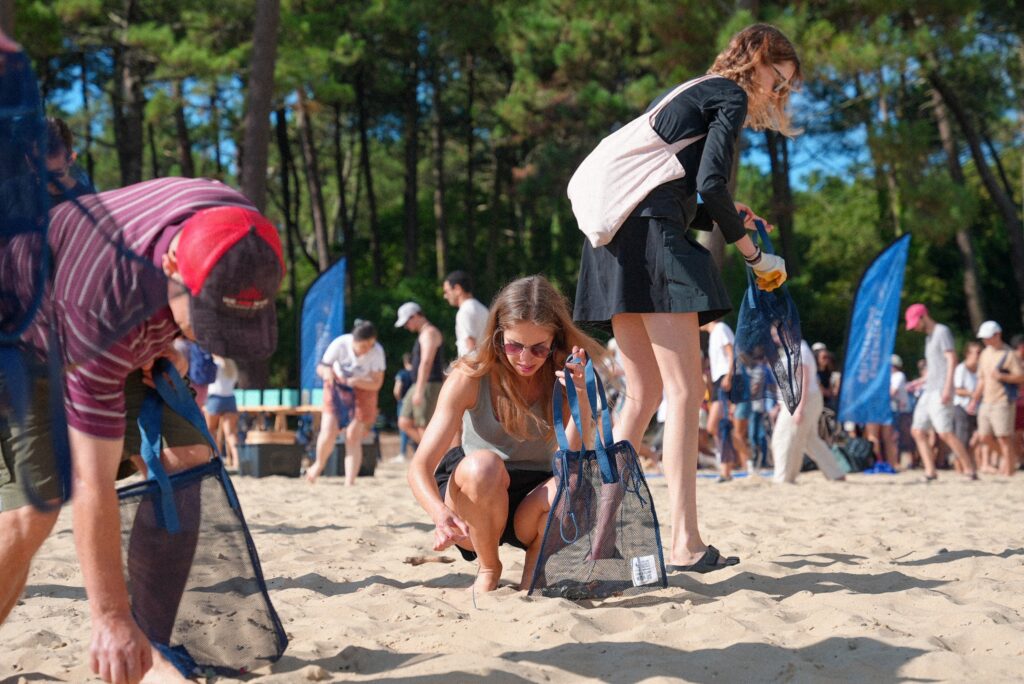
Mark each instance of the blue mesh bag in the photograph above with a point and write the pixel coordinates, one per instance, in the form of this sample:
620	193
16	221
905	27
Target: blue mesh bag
194	578
602	537
769	328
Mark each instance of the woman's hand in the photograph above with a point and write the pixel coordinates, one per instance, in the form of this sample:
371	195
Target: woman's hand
749	218
449	529
576	369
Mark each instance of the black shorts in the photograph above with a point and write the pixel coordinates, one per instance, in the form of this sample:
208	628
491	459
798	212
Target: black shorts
520	483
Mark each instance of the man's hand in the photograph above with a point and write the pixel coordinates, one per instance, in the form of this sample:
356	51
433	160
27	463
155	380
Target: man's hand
120	652
947	396
418	395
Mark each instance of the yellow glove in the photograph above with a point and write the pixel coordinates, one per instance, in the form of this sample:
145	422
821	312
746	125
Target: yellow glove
769	271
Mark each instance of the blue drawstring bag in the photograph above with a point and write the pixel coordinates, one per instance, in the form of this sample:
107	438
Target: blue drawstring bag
194	578
769	328
602	537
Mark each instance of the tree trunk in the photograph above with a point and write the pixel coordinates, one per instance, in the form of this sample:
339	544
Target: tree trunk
260	93
1014	226
154	158
284	155
184	141
494	222
90	164
470	218
215	120
289	181
341	221
440	214
371	198
311	166
972	282
7	17
129	104
782	198
892	187
410	114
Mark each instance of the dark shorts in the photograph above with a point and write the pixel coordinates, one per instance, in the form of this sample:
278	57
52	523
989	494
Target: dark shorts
652	265
217	405
521	483
27	450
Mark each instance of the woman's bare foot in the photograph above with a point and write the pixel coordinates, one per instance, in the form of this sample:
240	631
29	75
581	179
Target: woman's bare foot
163	672
487	579
313	472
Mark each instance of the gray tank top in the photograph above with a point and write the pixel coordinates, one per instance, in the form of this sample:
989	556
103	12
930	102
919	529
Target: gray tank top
481	430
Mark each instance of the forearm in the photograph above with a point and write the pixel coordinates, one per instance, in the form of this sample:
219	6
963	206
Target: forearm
97	523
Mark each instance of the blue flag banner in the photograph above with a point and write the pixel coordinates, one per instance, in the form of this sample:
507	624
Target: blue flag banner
864	395
323	319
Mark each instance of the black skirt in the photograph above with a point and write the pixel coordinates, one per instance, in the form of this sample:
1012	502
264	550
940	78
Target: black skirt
653	265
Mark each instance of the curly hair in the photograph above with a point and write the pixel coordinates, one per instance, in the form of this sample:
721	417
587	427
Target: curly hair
760	44
535	300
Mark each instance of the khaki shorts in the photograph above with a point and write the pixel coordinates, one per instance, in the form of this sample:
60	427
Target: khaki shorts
27	450
421	414
995	419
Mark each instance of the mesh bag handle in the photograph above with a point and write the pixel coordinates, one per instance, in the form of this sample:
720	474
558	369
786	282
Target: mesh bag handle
603	438
170	390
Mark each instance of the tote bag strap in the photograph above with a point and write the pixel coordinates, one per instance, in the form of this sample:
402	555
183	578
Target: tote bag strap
170	390
679	145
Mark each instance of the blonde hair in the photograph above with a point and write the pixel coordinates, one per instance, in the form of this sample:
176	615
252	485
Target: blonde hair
532	299
760	44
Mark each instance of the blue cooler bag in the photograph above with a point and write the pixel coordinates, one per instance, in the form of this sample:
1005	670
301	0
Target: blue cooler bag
601	538
194	578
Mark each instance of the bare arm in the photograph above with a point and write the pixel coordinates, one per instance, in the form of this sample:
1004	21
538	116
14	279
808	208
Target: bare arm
806	379
119	650
458	394
372	383
470	344
947	386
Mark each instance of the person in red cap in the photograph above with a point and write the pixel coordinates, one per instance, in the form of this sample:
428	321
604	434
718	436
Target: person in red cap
131	270
934	409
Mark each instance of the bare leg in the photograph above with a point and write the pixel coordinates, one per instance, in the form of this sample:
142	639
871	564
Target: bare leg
478	493
962	454
409	427
324	445
354	434
22	531
230	427
924	448
1008	464
530	519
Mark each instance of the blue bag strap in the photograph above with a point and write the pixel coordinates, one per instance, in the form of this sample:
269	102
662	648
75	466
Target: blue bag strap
574	411
603	438
150	420
170	390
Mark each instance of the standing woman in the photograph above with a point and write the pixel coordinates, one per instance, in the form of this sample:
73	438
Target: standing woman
353	363
657	285
222	409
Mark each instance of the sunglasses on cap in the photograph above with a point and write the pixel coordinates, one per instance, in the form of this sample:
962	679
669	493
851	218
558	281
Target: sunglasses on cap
540	351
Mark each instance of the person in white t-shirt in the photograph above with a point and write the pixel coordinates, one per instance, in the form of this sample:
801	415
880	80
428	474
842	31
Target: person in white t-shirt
796	433
720	354
965	381
222	409
471	318
352	369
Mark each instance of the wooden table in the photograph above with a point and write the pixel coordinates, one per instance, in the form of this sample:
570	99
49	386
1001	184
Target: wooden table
281	414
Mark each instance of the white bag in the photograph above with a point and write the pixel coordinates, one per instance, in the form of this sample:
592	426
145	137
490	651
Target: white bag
622	170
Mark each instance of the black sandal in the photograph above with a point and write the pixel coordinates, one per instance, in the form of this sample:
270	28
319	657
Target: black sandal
706	563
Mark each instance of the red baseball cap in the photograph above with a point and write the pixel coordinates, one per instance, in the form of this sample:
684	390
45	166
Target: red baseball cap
230	260
913	315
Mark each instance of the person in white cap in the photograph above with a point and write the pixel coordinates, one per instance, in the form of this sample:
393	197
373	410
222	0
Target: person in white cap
1000	375
934	409
428	366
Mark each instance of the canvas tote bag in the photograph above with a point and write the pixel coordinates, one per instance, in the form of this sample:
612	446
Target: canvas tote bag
623	169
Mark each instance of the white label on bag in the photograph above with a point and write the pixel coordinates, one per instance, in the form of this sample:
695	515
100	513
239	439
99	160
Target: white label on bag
645	570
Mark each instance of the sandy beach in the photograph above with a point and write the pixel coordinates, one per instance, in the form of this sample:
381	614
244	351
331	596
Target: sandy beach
883	578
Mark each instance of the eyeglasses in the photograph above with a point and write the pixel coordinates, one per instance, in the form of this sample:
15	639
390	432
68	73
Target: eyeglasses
782	84
540	351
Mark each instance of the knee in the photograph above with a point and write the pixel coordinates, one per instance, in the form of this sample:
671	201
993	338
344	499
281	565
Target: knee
482	471
405	424
28	527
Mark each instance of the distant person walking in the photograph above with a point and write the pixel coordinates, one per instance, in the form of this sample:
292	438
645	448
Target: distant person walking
428	365
934	409
1000	375
221	409
471	318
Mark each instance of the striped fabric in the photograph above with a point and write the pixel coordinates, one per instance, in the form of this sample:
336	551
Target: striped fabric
107	297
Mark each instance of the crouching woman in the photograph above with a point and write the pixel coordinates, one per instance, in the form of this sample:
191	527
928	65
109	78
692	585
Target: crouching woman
497	487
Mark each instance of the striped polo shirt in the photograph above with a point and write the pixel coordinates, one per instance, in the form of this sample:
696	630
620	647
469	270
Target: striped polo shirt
107	298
